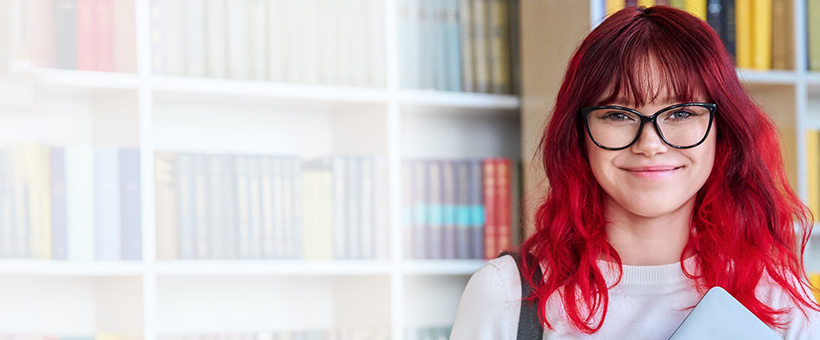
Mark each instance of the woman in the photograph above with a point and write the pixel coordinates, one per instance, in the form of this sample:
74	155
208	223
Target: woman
665	180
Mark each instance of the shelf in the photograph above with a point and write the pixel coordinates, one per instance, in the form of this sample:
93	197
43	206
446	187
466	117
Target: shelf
442	267
261	89
813	78
87	79
459	99
272	267
767	77
71	268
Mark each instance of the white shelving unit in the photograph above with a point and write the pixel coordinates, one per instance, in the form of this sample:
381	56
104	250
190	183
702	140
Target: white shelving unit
189	114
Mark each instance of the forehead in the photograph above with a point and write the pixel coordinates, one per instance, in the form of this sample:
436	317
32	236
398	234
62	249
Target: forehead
652	84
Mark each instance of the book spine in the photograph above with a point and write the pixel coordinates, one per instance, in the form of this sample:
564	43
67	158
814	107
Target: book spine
382	218
327	44
185	189
107	203
22	191
230	220
376	44
353	205
289	250
646	3
310	212
481	42
167	205
504	218
452	70
202	224
215	33
124	24
462	218
729	23
103	34
434	212
491	209
297	200
697	8
782	36
515	203
131	204
7	239
631	3
358	39
58	204
515	46
158	36
500	46
762	34
407	188
279	233
268	232
243	208
367	212
714	16
813	169
426	51
238	44
38	212
339	212
613	6
420	215
174	27
448	212
41	30
744	39
65	34
86	42
679	4
257	30
215	211
194	38
255	206
440	37
80	202
414	46
466	38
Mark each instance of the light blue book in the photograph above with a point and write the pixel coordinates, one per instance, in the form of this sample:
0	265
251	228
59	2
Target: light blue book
255	206
131	204
243	208
185	178
452	45
339	211
367	195
352	205
107	203
201	208
298	221
58	204
435	231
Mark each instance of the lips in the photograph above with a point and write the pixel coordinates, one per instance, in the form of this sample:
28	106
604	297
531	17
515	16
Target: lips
655	168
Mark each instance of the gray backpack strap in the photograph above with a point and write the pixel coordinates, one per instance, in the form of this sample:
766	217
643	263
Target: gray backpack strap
529	327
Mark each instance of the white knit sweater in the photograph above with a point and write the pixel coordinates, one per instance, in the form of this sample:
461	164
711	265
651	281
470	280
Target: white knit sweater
647	304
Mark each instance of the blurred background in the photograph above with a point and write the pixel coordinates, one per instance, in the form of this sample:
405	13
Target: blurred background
304	169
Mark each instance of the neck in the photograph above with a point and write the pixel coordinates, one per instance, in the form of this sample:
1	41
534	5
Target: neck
648	240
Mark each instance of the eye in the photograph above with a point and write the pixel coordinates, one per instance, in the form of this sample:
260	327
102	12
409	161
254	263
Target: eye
617	116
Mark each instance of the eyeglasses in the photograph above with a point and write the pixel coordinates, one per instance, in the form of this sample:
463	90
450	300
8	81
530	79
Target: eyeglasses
680	126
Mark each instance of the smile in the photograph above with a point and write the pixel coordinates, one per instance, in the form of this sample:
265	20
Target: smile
654	173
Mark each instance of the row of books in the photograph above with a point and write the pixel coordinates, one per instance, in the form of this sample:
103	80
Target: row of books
336	42
458	45
87	35
427	333
70	203
98	336
758	33
350	333
460	209
265	207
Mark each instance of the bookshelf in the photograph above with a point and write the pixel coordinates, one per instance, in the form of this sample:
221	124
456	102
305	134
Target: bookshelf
133	105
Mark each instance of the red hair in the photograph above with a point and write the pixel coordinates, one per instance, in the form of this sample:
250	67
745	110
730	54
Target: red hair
745	214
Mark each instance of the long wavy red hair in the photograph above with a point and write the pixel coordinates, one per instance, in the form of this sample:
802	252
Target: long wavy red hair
745	215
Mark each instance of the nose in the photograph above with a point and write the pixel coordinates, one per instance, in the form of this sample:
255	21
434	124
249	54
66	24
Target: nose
649	142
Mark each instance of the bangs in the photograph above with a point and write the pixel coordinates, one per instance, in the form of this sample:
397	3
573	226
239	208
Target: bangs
643	65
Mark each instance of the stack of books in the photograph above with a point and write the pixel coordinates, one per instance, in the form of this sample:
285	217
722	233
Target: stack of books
70	203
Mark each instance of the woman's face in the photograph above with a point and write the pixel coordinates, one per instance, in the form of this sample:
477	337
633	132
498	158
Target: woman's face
647	192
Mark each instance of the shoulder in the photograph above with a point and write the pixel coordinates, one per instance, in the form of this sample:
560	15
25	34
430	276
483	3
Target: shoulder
491	303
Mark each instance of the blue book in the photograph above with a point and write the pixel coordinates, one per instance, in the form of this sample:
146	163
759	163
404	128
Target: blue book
107	203
201	208
243	225
131	204
414	51
353	202
440	49
404	34
463	210
296	198
407	206
58	204
477	216
227	198
452	46
255	206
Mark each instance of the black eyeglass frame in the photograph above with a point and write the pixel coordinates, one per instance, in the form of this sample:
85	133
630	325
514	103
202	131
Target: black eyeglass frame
585	111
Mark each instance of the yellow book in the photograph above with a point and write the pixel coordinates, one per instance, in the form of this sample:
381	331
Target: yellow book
813	171
499	47
697	8
743	30
613	6
762	34
646	3
814	279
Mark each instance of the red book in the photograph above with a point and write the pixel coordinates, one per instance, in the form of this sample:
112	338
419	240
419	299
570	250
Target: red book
503	214
86	51
490	197
104	35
